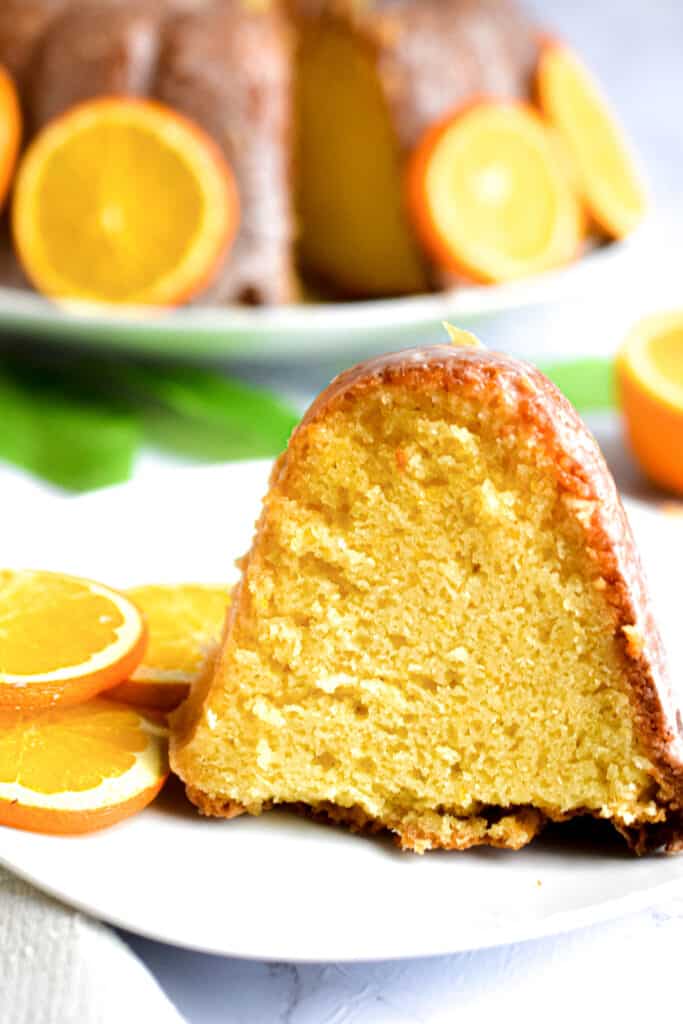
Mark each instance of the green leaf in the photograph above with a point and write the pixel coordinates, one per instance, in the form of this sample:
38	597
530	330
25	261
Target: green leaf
71	443
588	383
210	416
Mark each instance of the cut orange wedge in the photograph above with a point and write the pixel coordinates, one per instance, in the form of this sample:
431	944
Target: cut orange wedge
10	131
185	622
608	177
78	769
63	639
489	196
650	381
123	201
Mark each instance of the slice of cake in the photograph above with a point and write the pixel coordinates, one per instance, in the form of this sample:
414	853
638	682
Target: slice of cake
442	627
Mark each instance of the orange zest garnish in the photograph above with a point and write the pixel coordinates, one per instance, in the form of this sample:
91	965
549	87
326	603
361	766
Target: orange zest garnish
10	131
607	176
63	639
185	622
123	201
650	381
489	196
78	769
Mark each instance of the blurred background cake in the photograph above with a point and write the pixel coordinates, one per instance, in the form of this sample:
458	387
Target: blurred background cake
320	108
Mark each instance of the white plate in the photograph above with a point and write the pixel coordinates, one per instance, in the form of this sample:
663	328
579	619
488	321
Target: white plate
279	887
320	329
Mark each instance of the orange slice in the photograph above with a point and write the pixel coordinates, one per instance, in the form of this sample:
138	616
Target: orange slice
489	196
123	201
608	177
650	382
10	131
78	769
185	621
63	639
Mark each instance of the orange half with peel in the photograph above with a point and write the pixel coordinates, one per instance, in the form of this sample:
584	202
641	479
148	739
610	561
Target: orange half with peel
489	196
63	639
185	623
649	371
78	769
123	201
607	174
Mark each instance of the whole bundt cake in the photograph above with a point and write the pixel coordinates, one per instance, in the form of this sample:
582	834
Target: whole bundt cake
442	627
315	103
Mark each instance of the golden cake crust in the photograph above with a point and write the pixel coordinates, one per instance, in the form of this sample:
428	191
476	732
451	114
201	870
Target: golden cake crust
527	399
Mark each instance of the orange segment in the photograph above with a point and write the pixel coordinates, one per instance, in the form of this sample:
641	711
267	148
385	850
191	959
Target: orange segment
650	381
10	131
78	769
489	195
608	178
63	639
185	621
123	201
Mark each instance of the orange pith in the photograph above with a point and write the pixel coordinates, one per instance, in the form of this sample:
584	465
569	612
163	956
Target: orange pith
63	639
185	621
10	131
489	196
123	201
607	175
78	769
650	381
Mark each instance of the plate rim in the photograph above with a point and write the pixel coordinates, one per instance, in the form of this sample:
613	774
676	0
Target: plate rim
271	333
493	936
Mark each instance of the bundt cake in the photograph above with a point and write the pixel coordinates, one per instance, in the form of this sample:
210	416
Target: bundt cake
406	63
225	63
442	627
315	103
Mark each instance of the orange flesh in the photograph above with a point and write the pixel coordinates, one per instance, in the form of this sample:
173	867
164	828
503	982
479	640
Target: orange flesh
490	197
41	630
666	352
123	201
69	749
607	175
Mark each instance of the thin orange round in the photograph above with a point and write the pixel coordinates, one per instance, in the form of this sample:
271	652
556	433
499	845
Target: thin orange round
69	239
438	226
609	179
185	621
63	685
77	740
649	371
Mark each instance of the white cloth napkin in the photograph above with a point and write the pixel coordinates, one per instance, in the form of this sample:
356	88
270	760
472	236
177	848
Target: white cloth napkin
58	966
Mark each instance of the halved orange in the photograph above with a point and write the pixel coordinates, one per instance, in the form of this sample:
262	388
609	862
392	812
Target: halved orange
608	177
78	769
123	201
650	381
185	621
489	196
10	131
63	639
